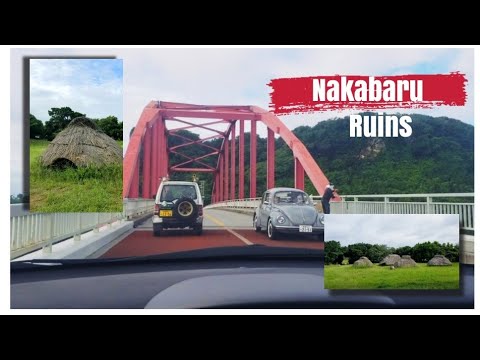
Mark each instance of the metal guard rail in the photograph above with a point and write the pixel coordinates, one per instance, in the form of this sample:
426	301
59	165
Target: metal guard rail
389	204
35	231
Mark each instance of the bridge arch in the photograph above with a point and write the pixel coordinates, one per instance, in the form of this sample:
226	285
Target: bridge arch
147	157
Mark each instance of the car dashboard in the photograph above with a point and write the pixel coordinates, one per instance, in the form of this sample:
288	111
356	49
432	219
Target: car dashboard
206	283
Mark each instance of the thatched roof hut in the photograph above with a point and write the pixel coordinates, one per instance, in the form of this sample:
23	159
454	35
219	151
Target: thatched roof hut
405	261
390	260
363	262
439	260
81	144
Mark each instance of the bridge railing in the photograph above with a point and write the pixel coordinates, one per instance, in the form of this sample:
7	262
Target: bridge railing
452	203
137	207
35	231
250	203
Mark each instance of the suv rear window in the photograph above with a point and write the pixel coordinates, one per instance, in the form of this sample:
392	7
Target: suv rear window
172	192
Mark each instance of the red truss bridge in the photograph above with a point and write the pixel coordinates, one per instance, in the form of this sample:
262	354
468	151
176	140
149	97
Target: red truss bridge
149	157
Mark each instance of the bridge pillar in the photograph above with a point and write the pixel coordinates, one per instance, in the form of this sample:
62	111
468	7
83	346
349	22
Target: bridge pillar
253	159
270	159
220	179
134	188
214	198
162	152
154	158
147	160
232	163
299	175
226	153
241	161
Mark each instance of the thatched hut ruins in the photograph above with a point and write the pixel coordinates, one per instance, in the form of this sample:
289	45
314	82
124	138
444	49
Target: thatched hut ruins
363	262
81	144
390	260
439	260
405	261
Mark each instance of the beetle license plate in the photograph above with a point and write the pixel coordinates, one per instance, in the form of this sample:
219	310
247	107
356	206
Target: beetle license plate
165	213
305	228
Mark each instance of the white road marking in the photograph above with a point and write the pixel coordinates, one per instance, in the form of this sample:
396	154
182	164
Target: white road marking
233	232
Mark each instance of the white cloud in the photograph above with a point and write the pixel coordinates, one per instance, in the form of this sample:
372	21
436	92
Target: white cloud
393	230
87	86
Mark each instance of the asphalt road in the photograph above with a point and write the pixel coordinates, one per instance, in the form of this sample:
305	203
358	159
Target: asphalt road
221	228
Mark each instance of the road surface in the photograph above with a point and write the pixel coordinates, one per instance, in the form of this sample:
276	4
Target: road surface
220	228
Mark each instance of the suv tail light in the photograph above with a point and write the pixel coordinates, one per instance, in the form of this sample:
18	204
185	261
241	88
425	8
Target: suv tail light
156	209
200	210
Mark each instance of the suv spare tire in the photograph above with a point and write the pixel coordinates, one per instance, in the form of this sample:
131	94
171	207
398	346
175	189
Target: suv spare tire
185	209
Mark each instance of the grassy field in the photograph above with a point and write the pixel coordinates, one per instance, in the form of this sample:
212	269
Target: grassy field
381	277
73	190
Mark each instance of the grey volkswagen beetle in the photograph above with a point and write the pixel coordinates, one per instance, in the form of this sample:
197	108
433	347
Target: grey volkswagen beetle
288	210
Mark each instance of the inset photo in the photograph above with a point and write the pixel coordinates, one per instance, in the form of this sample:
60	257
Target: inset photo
392	251
76	135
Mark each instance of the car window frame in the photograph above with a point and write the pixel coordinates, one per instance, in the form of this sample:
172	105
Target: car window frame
266	198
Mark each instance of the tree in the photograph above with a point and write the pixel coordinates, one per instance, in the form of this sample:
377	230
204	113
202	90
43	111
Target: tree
404	250
425	251
356	251
376	253
59	119
333	252
37	130
451	252
111	127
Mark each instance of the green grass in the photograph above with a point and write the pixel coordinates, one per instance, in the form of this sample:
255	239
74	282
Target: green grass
382	277
90	189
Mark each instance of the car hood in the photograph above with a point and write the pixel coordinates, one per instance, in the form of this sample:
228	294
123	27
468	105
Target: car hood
299	214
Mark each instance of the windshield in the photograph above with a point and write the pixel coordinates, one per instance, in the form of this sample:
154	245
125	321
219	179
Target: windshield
173	192
110	177
291	197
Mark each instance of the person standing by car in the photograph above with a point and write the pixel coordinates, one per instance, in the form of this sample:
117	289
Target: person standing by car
327	196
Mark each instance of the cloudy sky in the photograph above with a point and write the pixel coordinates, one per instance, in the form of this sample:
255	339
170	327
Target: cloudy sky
392	230
235	77
89	86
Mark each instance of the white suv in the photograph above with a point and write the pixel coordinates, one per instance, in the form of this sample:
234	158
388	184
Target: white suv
179	205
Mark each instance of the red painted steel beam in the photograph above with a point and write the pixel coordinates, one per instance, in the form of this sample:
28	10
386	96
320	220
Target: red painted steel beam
299	150
221	114
147	162
232	163
202	170
241	161
253	159
220	178
199	141
190	158
270	159
299	175
155	157
150	113
202	126
135	182
193	125
226	173
163	168
195	159
173	105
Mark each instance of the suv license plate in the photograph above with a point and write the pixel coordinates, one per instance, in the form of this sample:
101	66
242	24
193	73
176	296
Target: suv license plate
305	228
165	213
